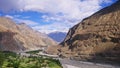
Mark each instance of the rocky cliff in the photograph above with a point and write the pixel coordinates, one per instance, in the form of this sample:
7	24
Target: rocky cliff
96	37
19	37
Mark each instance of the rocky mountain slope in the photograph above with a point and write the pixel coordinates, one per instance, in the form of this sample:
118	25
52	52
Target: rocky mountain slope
19	37
57	36
96	37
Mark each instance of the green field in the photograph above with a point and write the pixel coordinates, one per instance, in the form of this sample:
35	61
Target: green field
12	60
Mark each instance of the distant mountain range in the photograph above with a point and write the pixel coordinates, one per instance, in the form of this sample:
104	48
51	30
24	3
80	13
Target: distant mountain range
20	37
57	36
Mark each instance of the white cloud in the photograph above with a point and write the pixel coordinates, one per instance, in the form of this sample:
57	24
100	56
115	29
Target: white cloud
56	26
63	13
48	28
28	22
8	16
49	18
51	28
8	5
17	16
71	9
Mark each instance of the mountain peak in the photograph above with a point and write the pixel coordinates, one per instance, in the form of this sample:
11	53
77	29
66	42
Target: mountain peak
57	36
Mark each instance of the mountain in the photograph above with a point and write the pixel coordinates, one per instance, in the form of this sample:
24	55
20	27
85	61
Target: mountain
57	36
20	37
96	37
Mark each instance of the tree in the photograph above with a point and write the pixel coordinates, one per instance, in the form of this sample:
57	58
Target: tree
2	58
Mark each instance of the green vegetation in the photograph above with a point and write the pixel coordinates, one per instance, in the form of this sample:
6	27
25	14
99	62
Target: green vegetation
12	60
1	59
33	52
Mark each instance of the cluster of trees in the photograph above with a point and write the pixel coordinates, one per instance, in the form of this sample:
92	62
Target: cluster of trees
9	59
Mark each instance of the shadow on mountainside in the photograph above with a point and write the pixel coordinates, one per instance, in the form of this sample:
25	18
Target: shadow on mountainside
9	43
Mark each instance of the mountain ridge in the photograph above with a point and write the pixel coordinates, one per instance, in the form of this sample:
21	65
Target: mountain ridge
21	36
95	38
57	36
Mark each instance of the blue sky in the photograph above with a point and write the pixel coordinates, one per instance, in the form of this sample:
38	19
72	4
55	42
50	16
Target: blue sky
51	15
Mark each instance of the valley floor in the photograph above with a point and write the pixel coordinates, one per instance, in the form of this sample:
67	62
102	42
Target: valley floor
66	63
80	64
